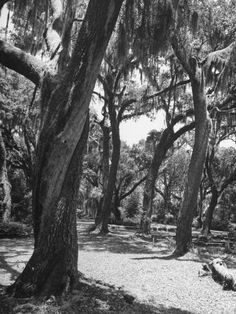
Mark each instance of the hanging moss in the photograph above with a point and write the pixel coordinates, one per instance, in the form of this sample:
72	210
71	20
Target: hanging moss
219	68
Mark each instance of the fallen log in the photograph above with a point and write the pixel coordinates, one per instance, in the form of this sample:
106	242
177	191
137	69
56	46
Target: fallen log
220	273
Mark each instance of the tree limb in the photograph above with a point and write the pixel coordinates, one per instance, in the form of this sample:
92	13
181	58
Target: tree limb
181	131
228	181
133	188
181	83
21	62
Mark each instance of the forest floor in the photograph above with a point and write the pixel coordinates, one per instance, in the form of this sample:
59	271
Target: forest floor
126	273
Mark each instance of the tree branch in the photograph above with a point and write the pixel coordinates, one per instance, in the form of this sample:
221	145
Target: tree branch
21	62
133	188
181	131
125	104
179	117
181	83
228	181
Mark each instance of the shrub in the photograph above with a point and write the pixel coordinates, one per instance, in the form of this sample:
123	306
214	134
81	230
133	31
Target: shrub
14	230
133	205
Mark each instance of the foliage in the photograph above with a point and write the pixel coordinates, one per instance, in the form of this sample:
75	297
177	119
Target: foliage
14	230
133	205
21	197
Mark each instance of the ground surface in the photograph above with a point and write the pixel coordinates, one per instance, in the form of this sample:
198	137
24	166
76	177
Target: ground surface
131	266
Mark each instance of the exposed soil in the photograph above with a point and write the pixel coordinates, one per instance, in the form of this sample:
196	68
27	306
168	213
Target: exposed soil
124	273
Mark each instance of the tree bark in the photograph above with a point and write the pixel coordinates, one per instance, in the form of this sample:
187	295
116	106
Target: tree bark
105	157
202	130
52	268
104	214
167	139
149	188
21	62
5	186
207	220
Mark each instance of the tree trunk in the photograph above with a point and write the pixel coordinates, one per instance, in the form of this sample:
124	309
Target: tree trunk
52	268
105	157
202	130
104	215
5	186
167	139
207	220
148	195
115	207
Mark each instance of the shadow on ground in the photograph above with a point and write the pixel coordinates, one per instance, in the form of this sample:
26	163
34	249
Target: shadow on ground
14	253
89	296
121	241
127	242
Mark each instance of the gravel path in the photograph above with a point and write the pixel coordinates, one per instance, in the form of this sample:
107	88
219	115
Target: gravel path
147	273
138	267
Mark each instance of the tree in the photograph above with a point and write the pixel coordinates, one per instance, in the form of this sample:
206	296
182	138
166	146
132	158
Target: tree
221	173
171	179
216	69
120	103
5	186
174	113
65	97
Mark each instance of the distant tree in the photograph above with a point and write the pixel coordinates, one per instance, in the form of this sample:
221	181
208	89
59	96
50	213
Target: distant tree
5	186
221	173
214	69
175	114
171	179
122	101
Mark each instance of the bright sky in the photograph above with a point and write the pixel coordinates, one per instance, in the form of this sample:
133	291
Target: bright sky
133	131
3	18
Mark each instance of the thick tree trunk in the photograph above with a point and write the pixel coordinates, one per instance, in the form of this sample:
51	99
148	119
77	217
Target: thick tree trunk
202	130
5	186
207	220
52	268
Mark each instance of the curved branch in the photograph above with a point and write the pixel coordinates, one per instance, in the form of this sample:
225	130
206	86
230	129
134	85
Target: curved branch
183	130
21	62
171	87
133	188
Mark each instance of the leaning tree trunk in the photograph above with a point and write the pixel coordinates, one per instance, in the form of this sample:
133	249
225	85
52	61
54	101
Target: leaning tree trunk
202	130
167	139
5	186
206	226
52	268
148	193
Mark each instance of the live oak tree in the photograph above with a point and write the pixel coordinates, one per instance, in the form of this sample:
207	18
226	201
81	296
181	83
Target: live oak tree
199	74
121	102
176	111
65	97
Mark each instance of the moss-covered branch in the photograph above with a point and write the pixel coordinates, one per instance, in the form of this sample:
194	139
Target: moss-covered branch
21	62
